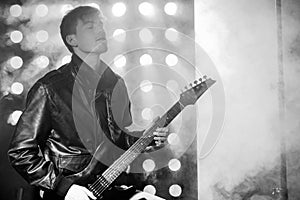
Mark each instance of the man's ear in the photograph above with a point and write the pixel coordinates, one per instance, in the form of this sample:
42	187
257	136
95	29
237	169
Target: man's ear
71	40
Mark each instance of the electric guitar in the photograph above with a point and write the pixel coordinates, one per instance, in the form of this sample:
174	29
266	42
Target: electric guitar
100	182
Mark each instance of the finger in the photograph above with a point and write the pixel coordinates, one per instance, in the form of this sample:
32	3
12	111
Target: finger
160	134
89	193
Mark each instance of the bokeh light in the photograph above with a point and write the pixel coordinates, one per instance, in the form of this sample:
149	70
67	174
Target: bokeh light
41	61
146	86
146	9
175	190
146	59
150	189
42	36
118	9
14	117
41	10
174	164
147	114
146	35
171	34
17	88
15	10
173	139
148	165
170	8
16	36
66	59
16	62
120	61
119	35
171	60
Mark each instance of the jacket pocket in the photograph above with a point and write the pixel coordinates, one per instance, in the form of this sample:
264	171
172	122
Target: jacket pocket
73	164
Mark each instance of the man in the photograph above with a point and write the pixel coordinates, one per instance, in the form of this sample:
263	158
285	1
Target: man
71	110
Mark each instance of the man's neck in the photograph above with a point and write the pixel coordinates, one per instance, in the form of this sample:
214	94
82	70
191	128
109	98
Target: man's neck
93	60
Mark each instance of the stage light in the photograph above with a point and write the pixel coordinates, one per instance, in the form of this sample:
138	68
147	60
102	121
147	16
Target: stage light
174	164
66	8
172	85
171	34
170	8
118	9
173	139
41	10
146	9
146	86
14	117
66	59
146	35
42	61
145	59
119	35
17	88
147	114
95	5
16	36
148	165
42	36
15	10
120	61
16	62
171	60
150	189
175	190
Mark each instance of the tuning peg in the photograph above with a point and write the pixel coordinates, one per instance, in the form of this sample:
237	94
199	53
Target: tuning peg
205	77
195	82
186	87
200	79
191	84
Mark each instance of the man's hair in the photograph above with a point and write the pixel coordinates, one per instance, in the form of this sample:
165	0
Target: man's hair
70	20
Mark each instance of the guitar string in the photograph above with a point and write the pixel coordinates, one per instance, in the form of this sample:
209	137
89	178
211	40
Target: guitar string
98	183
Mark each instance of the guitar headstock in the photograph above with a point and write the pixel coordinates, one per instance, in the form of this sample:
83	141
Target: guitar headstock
192	94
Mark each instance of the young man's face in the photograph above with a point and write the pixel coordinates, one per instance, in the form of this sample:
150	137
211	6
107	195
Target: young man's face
90	35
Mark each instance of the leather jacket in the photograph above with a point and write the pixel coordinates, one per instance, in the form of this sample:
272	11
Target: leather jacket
46	145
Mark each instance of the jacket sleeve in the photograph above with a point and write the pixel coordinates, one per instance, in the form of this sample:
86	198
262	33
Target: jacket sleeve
28	142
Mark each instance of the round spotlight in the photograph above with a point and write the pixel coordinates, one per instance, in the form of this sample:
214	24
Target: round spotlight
42	61
120	61
171	60
147	114
146	86
119	35
146	9
171	8
41	10
66	8
148	165
16	62
14	117
17	88
66	59
146	35
16	36
150	189
15	10
118	9
173	139
174	164
175	190
146	59
172	85
42	36
171	34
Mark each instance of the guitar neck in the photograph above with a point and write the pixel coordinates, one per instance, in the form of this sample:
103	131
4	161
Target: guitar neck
121	164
